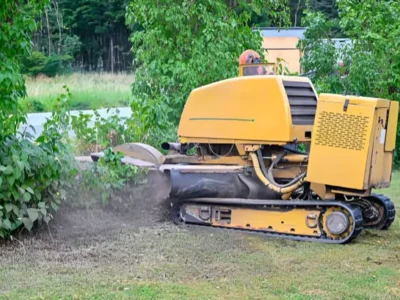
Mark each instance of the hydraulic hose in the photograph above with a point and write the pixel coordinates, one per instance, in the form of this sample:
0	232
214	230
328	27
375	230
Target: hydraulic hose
269	175
282	189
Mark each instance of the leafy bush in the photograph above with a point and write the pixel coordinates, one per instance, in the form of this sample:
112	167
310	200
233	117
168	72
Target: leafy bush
34	174
33	106
38	63
105	132
370	67
17	23
71	45
108	175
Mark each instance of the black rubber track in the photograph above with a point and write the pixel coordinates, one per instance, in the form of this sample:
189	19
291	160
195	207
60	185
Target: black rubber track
354	211
390	211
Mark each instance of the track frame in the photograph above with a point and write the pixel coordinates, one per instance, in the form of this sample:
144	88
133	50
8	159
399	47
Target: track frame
354	212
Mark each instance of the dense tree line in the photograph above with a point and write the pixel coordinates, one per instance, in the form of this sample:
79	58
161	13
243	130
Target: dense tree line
94	36
87	35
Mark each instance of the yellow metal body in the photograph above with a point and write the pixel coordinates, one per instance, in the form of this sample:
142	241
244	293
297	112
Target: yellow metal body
242	110
390	142
353	142
292	222
296	221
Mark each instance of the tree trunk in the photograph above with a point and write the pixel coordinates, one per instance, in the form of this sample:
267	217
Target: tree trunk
40	42
297	11
48	30
112	54
118	54
59	23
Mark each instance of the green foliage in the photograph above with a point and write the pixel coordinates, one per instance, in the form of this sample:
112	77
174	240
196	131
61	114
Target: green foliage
329	8
33	106
17	22
38	63
105	132
57	64
34	174
34	64
320	56
108	175
371	61
185	45
375	30
71	45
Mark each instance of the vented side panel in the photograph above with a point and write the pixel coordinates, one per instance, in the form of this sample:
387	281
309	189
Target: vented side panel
340	145
302	101
342	130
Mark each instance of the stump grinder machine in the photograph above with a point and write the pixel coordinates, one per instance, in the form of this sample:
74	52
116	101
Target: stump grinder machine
265	153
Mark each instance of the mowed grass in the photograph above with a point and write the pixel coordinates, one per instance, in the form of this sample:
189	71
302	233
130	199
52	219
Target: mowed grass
202	263
89	91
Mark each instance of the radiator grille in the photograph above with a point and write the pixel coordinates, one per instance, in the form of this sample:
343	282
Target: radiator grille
342	130
302	101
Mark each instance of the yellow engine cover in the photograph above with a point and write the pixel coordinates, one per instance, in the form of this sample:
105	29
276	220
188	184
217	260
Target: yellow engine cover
251	109
353	142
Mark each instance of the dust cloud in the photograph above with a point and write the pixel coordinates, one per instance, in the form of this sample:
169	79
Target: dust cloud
81	219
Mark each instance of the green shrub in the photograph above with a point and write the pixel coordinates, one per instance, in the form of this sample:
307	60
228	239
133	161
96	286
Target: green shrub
30	184
33	106
17	24
106	132
38	63
108	175
34	173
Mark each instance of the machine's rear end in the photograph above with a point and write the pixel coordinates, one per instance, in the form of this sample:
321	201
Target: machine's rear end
353	143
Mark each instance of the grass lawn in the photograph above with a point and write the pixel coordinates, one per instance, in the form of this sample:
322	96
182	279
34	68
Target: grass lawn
89	91
97	254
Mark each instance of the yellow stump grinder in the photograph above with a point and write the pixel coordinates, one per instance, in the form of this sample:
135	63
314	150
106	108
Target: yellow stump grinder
265	153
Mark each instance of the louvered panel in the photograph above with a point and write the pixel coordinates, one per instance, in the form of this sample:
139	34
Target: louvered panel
302	101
